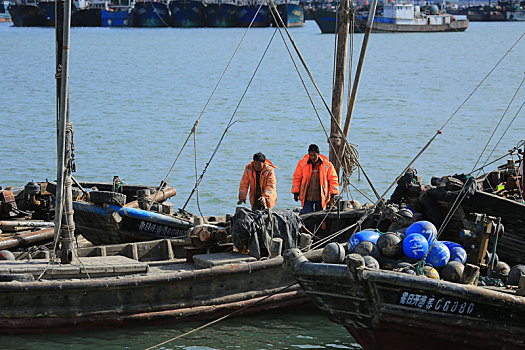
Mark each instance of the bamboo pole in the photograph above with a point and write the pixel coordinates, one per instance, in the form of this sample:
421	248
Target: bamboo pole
339	83
357	78
64	226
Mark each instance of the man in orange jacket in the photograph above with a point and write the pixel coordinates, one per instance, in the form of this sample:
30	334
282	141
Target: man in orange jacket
315	181
260	178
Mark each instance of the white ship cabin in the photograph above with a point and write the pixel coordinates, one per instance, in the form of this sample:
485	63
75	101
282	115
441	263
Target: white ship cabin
408	14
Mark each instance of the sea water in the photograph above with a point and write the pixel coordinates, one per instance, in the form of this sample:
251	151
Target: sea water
136	93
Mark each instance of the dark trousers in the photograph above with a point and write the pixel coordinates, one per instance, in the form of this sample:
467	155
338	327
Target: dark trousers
310	206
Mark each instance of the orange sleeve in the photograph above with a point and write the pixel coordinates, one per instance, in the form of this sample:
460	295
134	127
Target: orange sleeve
245	184
297	177
333	180
270	191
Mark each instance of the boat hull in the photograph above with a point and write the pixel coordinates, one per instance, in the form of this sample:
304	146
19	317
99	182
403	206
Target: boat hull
139	292
328	22
26	16
89	17
150	14
387	25
390	310
222	15
122	18
187	13
291	14
247	13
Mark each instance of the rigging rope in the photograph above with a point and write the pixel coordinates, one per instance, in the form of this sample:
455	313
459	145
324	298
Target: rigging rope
497	125
205	106
231	122
351	155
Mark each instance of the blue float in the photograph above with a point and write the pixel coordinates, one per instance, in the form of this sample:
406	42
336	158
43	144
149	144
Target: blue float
415	246
425	228
362	236
457	252
438	255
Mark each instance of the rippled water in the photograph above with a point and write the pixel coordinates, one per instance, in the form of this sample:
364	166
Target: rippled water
135	94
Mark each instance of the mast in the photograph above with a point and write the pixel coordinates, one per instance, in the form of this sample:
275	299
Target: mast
339	84
64	224
355	86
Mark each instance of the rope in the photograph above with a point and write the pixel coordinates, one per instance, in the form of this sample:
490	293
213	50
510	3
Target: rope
158	15
196	173
231	122
275	14
497	125
439	131
221	318
205	107
504	133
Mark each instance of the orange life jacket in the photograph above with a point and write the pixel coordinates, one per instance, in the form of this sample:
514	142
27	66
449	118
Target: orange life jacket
327	178
267	182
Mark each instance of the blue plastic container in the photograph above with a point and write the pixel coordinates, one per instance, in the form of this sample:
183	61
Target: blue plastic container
361	236
415	246
457	252
425	228
438	256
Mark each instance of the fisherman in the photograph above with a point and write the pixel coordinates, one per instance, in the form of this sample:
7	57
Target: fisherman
315	181
260	178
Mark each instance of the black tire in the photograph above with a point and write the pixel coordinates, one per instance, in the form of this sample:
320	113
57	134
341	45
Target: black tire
100	197
20	277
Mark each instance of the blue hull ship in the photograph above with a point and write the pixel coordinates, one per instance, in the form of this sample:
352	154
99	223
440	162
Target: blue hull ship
187	13
292	14
150	14
117	17
222	15
246	14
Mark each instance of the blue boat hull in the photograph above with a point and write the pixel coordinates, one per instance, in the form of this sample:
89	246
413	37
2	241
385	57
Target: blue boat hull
246	14
150	14
98	224
222	15
187	13
116	18
292	15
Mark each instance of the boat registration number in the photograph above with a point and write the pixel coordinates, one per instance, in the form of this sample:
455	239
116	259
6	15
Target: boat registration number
432	303
161	230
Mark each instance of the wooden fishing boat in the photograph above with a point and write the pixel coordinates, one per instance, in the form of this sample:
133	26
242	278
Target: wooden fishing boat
391	310
142	282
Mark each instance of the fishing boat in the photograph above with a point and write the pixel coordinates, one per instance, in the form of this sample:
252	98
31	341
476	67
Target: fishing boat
384	309
187	13
26	14
249	11
222	14
203	274
150	14
4	13
398	17
395	288
292	14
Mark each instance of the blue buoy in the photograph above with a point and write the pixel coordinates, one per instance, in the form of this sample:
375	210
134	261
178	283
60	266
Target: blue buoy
438	256
415	246
457	252
425	228
363	236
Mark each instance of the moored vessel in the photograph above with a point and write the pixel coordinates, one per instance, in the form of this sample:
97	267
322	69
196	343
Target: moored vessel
248	12
222	14
150	14
187	13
